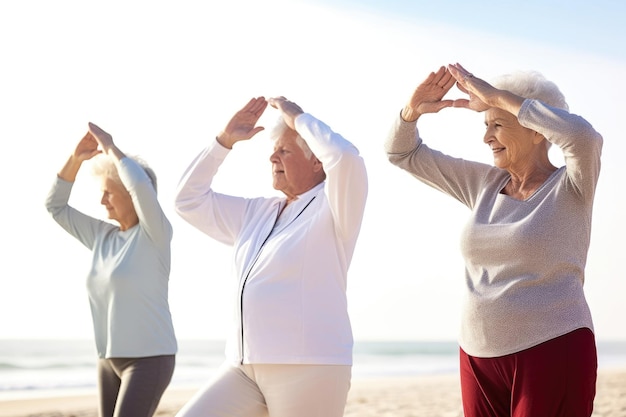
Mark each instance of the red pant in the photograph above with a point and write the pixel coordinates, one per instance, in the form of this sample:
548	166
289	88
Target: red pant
554	379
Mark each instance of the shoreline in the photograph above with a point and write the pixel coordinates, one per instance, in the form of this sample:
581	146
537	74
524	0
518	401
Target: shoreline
436	395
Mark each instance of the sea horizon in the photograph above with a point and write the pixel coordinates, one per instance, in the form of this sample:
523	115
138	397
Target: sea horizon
63	367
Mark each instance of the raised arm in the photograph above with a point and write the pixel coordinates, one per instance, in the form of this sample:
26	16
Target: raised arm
139	185
86	149
242	126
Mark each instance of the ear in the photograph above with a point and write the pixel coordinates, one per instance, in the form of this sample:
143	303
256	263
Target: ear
317	165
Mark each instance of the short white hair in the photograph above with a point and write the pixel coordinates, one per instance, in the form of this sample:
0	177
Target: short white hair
280	127
532	85
104	167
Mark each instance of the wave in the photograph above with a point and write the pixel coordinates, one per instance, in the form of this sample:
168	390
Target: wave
61	366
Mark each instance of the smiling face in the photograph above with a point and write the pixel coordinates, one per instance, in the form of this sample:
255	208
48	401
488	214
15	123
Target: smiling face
118	203
513	145
293	173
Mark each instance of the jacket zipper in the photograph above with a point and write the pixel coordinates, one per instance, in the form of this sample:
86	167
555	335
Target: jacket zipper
256	258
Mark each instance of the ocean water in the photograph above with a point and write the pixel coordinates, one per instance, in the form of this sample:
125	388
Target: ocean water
31	368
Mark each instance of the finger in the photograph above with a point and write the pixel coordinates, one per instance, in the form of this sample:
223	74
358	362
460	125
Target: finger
439	77
461	67
256	130
448	81
461	74
95	130
461	102
258	104
444	104
93	126
277	102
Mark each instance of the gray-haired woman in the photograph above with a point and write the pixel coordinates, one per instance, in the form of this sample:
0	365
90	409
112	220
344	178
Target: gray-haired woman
128	280
527	342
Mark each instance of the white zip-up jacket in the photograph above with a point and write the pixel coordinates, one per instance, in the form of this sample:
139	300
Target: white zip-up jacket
291	302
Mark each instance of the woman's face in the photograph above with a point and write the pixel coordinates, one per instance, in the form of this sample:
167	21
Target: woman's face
511	143
293	173
118	203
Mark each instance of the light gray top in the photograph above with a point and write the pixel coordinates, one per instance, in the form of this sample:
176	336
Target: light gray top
524	260
128	280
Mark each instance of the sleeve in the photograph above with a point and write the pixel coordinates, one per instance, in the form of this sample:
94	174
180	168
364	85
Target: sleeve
459	178
346	176
217	215
82	227
580	143
144	196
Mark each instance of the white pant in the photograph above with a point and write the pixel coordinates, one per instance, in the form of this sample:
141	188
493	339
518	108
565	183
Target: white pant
258	390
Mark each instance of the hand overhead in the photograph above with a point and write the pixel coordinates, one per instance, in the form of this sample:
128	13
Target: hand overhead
242	126
479	91
288	109
482	95
87	148
428	96
104	139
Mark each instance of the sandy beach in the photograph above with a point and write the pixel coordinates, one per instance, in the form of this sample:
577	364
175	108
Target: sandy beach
429	396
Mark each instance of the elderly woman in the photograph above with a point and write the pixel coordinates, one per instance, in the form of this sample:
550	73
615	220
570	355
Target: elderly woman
527	346
290	350
128	279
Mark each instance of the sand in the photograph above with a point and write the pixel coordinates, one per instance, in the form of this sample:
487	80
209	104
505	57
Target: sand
428	396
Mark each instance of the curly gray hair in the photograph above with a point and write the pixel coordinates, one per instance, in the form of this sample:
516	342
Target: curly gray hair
532	85
103	166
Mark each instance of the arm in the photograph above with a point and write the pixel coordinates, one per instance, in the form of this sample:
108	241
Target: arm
217	215
86	149
138	184
580	142
456	177
346	176
82	227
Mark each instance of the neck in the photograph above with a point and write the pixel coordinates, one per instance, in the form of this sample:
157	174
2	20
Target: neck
523	185
125	225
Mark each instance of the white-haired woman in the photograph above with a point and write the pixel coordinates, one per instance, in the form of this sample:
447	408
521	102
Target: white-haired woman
527	342
128	280
290	348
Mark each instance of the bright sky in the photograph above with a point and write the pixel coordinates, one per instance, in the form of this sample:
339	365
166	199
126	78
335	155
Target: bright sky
164	77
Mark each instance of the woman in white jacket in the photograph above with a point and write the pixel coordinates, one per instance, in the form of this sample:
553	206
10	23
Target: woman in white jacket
290	350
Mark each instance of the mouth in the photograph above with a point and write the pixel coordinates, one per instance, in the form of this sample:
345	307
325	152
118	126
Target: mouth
497	150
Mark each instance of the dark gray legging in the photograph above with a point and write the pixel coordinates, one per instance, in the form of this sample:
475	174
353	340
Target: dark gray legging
132	387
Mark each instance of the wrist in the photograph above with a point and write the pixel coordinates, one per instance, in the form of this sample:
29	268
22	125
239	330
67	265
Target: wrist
225	140
408	114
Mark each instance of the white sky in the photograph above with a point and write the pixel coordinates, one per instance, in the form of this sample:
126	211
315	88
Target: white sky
164	78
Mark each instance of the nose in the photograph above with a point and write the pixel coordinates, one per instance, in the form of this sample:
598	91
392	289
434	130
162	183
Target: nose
273	157
104	199
489	137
